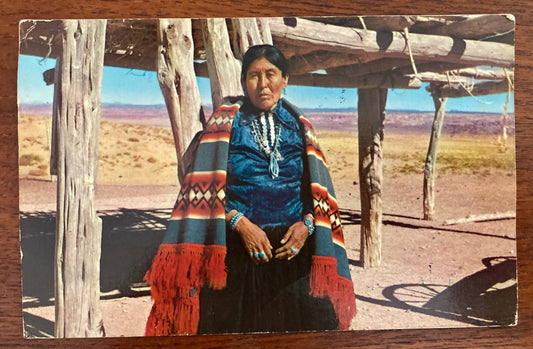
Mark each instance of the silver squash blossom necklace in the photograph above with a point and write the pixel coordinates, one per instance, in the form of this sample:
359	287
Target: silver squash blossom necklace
268	137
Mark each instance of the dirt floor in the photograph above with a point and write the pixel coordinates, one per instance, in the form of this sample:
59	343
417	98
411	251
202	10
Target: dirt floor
431	274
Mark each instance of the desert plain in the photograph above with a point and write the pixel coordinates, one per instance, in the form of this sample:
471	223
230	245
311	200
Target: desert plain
432	274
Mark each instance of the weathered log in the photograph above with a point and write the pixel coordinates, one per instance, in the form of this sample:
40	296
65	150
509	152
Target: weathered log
78	229
224	69
391	44
249	32
175	72
56	110
371	114
380	80
376	66
502	138
482	218
483	74
388	23
440	78
301	64
477	89
425	66
455	85
431	158
289	50
478	26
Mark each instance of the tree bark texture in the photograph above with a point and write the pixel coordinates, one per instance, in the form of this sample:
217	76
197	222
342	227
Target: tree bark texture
56	110
371	113
224	69
249	32
78	229
175	72
431	157
371	45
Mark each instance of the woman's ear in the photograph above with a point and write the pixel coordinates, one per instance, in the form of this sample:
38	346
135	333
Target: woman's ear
243	85
285	80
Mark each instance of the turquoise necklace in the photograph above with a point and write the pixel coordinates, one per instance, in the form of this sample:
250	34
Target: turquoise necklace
268	138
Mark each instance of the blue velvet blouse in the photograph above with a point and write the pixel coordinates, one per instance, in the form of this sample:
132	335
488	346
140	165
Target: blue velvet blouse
266	201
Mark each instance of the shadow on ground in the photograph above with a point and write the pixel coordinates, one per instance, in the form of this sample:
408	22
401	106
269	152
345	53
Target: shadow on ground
130	239
37	327
485	298
353	217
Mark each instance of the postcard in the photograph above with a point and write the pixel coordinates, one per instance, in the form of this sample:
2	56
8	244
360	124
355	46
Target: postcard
242	175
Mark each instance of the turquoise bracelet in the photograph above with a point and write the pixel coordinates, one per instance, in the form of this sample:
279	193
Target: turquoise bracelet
235	219
309	223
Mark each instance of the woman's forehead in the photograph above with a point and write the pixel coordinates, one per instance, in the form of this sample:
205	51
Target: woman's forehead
262	64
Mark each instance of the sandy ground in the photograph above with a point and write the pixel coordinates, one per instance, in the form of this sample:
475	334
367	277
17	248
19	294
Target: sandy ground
431	275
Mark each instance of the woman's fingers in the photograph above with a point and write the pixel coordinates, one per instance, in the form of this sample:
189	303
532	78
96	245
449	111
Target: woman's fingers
255	241
287	236
292	241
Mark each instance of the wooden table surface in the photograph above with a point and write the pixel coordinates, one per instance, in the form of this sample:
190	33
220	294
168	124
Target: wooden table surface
12	11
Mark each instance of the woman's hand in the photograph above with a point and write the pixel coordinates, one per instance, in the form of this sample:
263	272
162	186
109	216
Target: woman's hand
293	241
255	241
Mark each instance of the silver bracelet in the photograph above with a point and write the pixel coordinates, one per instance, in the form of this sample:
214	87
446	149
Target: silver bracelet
235	219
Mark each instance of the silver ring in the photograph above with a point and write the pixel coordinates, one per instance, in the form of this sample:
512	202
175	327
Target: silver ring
294	250
255	254
261	254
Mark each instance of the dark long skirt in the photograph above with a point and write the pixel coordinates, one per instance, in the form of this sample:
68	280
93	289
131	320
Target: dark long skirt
270	297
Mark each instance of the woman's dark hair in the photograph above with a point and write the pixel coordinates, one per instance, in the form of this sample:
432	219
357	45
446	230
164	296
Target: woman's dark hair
270	53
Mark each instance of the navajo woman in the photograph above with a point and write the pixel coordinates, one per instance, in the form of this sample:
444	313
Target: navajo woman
255	242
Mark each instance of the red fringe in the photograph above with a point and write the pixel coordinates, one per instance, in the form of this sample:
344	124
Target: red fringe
325	282
178	272
176	317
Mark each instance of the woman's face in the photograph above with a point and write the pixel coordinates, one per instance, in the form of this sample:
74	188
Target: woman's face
264	83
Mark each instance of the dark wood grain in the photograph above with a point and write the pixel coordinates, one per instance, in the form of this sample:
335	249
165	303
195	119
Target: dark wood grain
10	291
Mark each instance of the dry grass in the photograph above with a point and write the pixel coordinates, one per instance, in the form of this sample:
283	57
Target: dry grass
128	154
406	154
457	154
136	154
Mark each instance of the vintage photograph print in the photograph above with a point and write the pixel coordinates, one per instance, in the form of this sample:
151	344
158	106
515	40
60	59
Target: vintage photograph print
244	175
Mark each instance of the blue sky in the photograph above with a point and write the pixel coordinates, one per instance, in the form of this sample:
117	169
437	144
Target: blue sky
129	86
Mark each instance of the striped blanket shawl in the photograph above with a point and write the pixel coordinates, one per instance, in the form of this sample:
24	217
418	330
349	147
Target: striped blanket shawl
192	253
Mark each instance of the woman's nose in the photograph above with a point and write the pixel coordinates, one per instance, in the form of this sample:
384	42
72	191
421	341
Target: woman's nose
262	81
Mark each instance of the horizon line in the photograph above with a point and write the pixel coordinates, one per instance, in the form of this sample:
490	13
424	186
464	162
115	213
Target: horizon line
159	105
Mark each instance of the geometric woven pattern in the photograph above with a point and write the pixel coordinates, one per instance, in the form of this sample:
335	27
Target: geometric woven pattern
192	255
202	196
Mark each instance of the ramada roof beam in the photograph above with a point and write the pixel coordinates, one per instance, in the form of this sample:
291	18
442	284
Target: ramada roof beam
378	80
478	26
457	90
362	42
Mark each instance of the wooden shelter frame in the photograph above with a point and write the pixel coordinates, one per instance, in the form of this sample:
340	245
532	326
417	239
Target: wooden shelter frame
458	55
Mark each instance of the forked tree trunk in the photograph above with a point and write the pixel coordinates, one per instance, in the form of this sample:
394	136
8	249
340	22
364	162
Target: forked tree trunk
371	113
175	72
249	32
224	64
224	69
431	157
78	229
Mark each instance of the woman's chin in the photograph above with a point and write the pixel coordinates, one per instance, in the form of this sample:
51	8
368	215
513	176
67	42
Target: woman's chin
264	103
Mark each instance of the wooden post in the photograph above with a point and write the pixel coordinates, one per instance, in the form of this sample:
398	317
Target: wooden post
175	72
56	110
371	113
431	157
78	229
223	63
224	69
249	32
